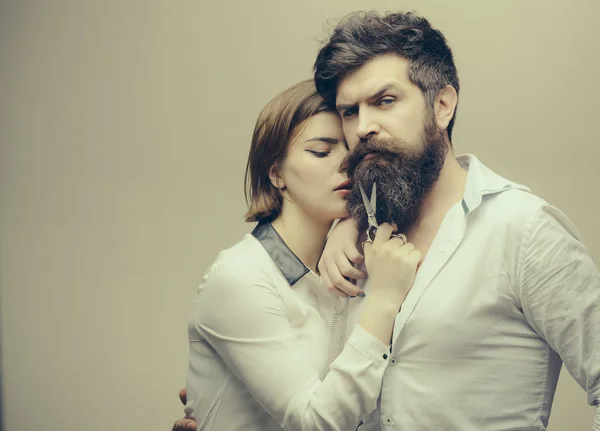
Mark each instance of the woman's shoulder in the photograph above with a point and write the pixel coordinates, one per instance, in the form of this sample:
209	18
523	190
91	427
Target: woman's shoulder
246	261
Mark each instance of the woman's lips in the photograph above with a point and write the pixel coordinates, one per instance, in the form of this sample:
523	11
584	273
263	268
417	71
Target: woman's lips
344	188
345	185
343	192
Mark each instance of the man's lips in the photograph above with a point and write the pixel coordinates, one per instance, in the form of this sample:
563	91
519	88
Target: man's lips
357	159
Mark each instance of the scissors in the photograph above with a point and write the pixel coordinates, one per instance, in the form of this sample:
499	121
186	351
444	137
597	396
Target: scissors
371	207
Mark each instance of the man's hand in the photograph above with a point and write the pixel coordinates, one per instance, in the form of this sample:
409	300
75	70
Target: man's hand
184	424
336	264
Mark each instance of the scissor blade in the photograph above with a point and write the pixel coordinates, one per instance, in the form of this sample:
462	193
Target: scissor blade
374	197
366	202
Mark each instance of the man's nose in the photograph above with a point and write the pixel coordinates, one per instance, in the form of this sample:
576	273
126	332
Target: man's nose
366	127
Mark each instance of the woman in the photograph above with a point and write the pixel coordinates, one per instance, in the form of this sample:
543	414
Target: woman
270	346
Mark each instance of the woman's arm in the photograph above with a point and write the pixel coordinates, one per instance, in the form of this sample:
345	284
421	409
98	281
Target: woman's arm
247	324
245	320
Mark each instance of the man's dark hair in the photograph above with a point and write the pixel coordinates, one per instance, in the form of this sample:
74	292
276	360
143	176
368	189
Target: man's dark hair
362	36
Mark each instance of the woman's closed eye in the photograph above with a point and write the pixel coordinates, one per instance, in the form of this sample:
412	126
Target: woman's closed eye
319	154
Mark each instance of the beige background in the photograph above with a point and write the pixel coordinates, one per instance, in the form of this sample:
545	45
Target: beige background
125	127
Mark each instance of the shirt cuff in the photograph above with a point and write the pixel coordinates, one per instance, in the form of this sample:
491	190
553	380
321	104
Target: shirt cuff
369	346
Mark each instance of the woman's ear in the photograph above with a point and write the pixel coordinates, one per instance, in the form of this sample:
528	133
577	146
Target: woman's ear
275	177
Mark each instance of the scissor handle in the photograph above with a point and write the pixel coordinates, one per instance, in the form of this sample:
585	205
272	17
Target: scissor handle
372	230
401	236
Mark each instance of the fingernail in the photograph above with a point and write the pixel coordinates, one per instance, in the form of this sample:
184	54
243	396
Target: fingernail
361	294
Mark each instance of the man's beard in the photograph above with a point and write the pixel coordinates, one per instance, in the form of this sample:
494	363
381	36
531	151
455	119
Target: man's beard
404	177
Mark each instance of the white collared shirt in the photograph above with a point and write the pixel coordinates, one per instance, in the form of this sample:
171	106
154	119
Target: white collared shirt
505	295
264	336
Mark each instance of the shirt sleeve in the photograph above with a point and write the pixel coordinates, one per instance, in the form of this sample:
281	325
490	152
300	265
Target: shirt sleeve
560	296
246	323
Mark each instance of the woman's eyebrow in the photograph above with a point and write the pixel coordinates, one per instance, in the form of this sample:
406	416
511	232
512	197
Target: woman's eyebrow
324	139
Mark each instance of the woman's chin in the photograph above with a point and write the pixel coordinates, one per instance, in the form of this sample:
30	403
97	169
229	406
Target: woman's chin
341	214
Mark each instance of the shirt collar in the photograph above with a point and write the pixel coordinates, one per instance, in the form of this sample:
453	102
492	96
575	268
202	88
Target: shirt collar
288	263
482	181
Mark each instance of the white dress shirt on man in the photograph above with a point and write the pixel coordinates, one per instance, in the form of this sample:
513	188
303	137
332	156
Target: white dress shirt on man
264	337
505	295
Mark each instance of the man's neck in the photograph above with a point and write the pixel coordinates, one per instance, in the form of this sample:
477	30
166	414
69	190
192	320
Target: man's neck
446	192
303	234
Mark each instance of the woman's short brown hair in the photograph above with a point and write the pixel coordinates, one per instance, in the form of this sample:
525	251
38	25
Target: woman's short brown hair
278	124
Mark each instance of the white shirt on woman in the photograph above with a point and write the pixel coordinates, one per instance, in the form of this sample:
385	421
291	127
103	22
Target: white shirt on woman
268	346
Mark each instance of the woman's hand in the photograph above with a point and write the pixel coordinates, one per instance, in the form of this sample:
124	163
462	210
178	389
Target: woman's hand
391	265
184	424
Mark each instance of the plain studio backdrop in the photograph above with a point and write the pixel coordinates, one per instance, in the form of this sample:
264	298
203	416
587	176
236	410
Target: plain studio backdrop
125	127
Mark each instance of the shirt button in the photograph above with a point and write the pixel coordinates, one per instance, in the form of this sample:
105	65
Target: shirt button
393	361
388	421
385	356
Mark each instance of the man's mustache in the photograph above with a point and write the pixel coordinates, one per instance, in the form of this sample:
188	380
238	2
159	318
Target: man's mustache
371	145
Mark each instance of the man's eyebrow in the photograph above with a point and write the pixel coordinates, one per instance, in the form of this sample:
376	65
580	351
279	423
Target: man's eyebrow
379	93
324	139
384	89
341	108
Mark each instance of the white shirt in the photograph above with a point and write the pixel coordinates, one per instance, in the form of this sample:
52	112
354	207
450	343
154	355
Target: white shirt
505	295
262	335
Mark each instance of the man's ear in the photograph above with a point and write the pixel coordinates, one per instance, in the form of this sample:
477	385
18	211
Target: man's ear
275	177
445	106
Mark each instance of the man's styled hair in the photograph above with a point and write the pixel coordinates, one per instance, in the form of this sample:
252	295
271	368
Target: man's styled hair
280	121
362	36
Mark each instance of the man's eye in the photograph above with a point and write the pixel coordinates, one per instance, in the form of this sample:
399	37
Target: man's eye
386	102
319	154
